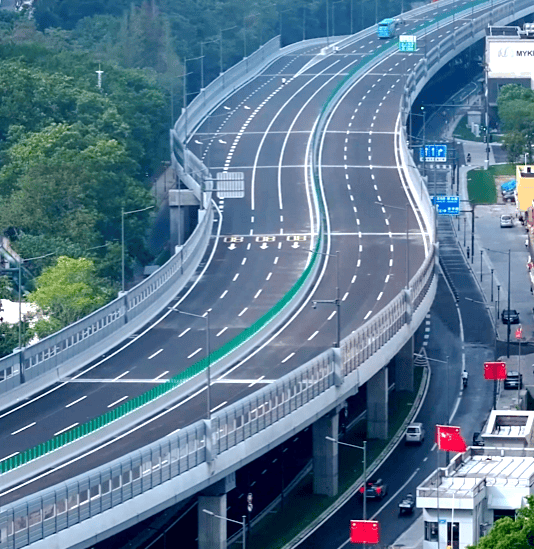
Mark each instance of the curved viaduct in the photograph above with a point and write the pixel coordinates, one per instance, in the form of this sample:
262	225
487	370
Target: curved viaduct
327	170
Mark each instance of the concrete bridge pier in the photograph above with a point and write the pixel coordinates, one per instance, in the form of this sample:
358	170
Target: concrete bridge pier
404	367
211	527
377	405
325	455
182	204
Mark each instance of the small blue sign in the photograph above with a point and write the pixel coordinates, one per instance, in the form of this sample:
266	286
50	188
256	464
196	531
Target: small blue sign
447	205
433	153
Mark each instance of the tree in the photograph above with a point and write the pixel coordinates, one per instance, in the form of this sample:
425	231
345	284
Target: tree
67	292
511	534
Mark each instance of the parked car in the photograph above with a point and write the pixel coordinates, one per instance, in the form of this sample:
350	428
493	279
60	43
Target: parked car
415	433
375	489
513	380
509	195
407	505
477	439
506	220
510	316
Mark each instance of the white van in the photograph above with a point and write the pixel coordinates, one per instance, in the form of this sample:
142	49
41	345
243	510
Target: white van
415	433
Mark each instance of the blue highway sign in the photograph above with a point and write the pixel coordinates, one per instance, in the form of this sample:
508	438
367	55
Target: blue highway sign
433	153
447	205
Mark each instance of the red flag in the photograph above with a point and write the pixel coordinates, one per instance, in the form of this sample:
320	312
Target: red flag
494	370
450	439
519	332
364	531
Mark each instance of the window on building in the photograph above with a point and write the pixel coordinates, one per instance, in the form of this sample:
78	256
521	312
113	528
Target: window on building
453	535
431	531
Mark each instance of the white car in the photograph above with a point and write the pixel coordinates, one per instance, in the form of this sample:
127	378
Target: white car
506	220
415	434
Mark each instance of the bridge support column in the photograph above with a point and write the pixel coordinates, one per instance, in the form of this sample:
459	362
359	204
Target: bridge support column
377	405
404	367
181	202
325	455
211	529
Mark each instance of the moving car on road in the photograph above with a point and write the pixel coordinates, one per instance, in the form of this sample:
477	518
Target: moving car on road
407	505
415	434
375	489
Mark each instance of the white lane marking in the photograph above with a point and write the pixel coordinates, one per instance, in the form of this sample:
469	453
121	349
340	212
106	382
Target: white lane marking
380	296
268	277
249	245
279	243
117	401
258	293
76	401
244	261
66	429
222	331
256	381
243	311
387	279
235	277
345	296
368	315
288	357
353	280
313	335
332	315
219	406
122	375
223	294
391	262
184	332
24	428
155	354
252	219
195	352
275	260
161	375
359	263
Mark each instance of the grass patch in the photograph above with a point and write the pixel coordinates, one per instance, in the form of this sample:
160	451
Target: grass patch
481	183
462	131
302	506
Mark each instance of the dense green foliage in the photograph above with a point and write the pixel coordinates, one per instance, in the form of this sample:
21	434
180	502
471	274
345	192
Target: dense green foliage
516	111
73	155
511	534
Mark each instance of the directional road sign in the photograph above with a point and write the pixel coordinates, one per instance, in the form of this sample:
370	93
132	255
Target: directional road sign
447	205
433	153
407	42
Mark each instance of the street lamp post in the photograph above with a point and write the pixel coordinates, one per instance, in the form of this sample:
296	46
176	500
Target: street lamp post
336	302
221	47
364	448
21	261
508	325
123	213
334	16
206	317
243	523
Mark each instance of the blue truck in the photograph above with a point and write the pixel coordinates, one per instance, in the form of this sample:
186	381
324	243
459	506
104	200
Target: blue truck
387	28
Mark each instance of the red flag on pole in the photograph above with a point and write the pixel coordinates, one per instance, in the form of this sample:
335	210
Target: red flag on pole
449	439
364	531
519	332
494	370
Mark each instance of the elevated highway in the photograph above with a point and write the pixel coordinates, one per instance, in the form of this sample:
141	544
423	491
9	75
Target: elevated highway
347	196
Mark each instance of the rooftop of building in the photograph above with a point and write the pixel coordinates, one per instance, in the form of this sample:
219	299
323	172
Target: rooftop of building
478	467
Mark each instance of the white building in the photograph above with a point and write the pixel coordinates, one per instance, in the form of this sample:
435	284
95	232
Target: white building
461	502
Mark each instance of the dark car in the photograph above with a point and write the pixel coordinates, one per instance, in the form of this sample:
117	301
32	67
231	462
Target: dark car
477	439
375	489
510	316
513	380
407	505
